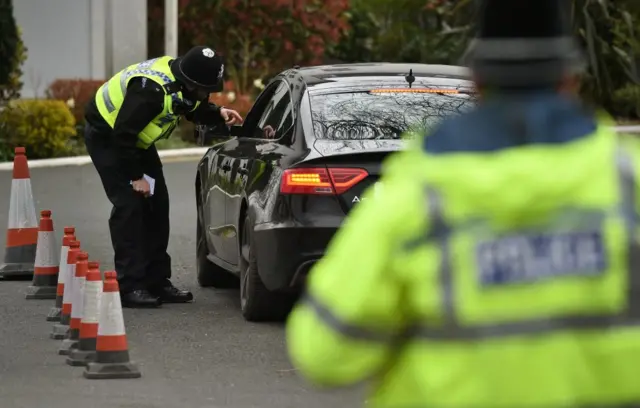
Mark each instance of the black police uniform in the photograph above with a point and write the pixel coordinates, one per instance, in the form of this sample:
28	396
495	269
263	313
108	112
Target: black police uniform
139	226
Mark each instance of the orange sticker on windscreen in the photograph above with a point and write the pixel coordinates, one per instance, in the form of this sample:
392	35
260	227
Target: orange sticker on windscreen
413	90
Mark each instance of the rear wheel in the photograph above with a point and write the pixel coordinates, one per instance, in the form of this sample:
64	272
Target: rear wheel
208	273
258	304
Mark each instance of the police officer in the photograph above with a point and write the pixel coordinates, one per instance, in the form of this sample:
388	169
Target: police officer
498	264
134	109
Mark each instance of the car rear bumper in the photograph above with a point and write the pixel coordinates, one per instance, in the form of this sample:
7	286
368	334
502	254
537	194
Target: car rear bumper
285	253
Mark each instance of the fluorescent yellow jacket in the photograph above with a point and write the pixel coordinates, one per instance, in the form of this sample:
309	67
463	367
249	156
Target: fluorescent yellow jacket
110	96
428	290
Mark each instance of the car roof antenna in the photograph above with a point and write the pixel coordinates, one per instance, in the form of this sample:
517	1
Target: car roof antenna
410	78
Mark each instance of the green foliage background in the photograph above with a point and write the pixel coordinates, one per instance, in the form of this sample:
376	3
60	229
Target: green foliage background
438	31
418	31
45	127
13	53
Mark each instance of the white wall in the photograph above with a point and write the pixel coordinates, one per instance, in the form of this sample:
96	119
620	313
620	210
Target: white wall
79	39
128	35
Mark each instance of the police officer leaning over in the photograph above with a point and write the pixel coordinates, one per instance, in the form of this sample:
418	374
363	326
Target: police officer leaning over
137	107
498	266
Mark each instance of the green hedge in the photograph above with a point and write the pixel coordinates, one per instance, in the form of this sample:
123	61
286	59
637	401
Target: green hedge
46	128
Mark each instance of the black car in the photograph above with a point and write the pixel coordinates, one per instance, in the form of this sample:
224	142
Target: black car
271	197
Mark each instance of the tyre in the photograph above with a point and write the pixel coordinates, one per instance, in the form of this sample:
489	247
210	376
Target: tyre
257	303
208	273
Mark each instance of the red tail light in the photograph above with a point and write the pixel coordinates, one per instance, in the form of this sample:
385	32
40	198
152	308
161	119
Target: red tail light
319	180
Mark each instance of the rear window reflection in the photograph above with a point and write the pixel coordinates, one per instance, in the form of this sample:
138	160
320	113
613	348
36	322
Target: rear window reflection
387	115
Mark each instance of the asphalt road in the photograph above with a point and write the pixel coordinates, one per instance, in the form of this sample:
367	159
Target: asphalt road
199	355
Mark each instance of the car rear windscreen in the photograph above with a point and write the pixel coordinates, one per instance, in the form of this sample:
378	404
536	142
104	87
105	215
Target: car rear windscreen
383	113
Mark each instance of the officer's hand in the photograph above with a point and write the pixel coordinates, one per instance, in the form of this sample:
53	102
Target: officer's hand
230	116
142	186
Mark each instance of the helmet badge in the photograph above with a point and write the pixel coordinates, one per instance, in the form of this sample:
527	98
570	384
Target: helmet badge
208	52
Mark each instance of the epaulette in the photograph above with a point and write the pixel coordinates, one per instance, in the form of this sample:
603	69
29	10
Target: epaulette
173	87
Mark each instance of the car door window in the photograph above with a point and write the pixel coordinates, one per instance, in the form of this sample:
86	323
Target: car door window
278	117
287	119
256	113
266	111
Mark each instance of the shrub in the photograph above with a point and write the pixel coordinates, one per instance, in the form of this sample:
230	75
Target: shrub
46	128
13	53
6	153
626	101
260	36
76	93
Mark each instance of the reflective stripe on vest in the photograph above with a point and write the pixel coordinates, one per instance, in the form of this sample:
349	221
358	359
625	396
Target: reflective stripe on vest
452	330
629	317
140	69
112	94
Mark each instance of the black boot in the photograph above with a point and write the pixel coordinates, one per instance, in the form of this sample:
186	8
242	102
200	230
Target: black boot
171	294
140	299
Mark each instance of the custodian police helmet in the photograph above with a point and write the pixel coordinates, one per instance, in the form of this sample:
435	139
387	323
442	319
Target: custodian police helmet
201	68
523	43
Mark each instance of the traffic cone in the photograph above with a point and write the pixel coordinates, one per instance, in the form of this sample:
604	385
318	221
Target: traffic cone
56	310
46	267
61	329
22	229
86	350
77	296
112	352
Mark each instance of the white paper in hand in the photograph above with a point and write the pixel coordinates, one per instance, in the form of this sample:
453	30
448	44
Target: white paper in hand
152	184
151	181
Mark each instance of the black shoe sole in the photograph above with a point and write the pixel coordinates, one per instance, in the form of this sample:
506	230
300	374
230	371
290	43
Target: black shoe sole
134	305
176	300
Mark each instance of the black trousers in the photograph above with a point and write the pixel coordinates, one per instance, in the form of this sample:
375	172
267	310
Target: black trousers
139	226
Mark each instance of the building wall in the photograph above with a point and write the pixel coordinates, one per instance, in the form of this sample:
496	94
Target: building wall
128	34
89	39
55	33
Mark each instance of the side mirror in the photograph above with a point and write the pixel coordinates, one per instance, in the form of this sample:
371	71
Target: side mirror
205	135
209	135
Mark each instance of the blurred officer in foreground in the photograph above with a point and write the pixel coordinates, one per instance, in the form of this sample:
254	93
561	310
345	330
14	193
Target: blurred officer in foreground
137	107
498	265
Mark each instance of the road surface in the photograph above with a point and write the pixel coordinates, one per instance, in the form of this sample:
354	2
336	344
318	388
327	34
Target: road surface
200	355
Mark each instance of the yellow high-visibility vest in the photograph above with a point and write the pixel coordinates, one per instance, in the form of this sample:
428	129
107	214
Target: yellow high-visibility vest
502	280
110	96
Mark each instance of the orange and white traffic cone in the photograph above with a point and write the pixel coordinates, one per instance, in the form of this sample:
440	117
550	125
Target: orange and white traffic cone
45	272
112	351
61	329
22	228
86	350
80	275
56	310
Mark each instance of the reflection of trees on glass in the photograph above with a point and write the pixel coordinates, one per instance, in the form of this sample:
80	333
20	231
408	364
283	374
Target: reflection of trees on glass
336	146
367	116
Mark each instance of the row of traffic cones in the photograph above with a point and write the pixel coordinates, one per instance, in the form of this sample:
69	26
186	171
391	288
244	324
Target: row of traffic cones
87	311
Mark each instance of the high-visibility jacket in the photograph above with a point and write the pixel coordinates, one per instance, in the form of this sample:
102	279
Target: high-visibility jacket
110	96
497	280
